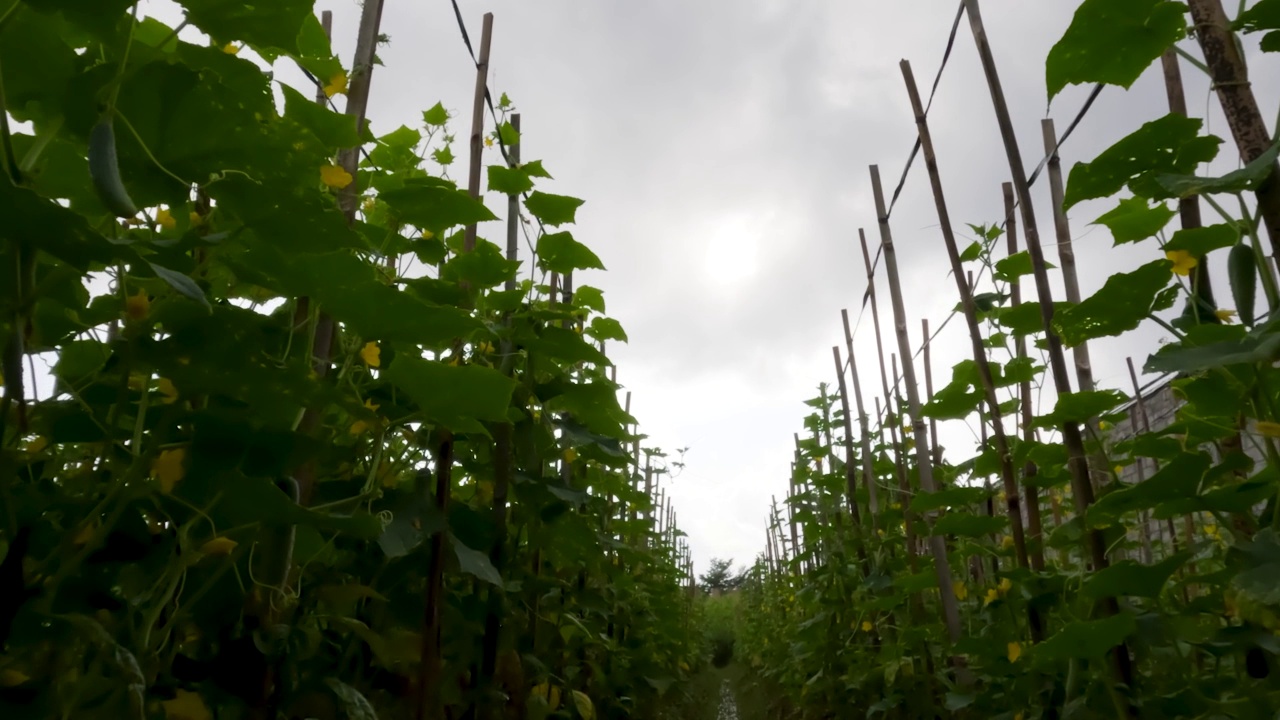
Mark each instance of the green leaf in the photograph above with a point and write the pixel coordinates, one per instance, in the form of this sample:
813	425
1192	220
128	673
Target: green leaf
960	397
1086	640
436	208
180	282
275	25
971	253
534	168
585	296
1130	578
963	524
476	563
485	266
1203	240
950	497
560	252
335	130
451	394
33	221
1177	479
553	209
1113	42
1025	319
594	405
1013	267
1134	219
1080	407
353	292
1123	302
1246	179
355	704
603	328
1170	144
565	346
510	136
1264	16
436	116
508	181
1220	346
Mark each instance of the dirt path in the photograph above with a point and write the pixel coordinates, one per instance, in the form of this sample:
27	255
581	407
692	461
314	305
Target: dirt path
728	706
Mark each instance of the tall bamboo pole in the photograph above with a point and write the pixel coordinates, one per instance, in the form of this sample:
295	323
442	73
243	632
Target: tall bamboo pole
868	466
1082	489
950	608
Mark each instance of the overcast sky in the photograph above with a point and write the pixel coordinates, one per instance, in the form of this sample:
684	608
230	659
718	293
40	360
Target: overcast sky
723	148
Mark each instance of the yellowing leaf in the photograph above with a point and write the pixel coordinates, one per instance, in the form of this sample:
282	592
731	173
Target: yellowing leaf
371	354
1182	260
335	177
219	546
337	84
165	387
136	307
1268	428
585	708
1015	651
168	469
186	705
165	219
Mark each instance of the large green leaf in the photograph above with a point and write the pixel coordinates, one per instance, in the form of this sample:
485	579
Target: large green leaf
949	497
560	252
963	524
1135	219
553	209
1113	41
1246	179
476	563
1123	302
274	25
1213	346
1130	578
594	405
1264	16
1079	407
1171	144
1086	640
1203	240
453	395
435	207
335	130
1177	479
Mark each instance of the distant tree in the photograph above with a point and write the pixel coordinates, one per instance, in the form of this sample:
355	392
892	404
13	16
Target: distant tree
721	576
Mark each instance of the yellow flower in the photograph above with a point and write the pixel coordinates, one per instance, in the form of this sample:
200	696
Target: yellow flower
359	426
335	177
136	307
337	84
168	469
866	626
1104	425
992	596
165	387
1268	428
36	445
1225	315
371	354
960	590
186	705
1006	542
165	219
1015	651
231	48
1182	260
488	142
1005	586
570	454
1119	470
219	546
1211	530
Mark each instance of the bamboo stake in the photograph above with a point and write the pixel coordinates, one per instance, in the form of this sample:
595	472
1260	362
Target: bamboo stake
927	343
884	379
950	609
1231	82
1035	529
850	469
1082	489
970	309
868	467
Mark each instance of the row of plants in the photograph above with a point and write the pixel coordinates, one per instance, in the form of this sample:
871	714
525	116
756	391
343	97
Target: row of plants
1030	580
306	445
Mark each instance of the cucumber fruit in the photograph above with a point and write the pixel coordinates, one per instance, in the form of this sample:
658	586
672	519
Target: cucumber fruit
1242	271
104	169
